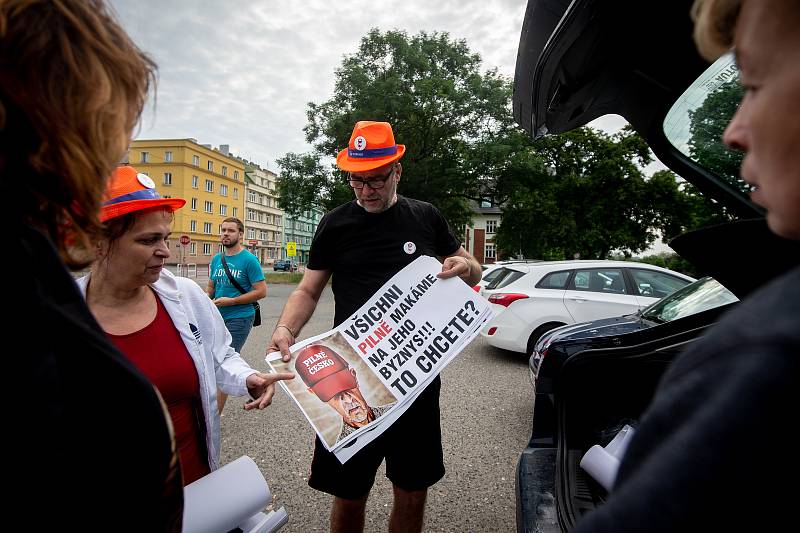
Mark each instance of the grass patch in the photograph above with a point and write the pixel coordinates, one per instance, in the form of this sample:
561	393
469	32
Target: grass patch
283	277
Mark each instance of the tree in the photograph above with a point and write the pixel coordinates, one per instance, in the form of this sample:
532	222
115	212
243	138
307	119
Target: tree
302	180
448	113
588	197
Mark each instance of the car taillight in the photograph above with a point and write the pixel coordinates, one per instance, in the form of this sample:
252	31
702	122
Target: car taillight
491	330
476	288
506	299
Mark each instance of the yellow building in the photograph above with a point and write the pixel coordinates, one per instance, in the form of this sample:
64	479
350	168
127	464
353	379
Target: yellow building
209	179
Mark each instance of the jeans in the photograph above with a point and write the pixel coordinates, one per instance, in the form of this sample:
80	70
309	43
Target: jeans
239	329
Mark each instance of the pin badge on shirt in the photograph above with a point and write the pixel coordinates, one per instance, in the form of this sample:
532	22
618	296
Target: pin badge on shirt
409	247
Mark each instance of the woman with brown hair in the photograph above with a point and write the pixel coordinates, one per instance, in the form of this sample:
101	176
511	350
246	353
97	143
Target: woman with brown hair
90	447
165	324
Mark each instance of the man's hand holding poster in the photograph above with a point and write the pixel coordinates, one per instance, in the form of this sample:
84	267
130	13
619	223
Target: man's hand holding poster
357	379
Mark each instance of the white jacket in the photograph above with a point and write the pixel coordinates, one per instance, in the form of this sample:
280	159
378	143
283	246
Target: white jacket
207	340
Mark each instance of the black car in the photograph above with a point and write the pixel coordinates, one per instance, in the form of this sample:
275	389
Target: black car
577	61
285	265
684	313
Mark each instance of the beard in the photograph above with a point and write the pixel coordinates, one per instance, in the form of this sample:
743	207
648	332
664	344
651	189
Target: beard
231	244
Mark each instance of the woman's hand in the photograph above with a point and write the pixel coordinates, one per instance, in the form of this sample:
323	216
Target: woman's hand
262	388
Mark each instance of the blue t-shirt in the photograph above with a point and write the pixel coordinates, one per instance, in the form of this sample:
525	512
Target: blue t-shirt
246	269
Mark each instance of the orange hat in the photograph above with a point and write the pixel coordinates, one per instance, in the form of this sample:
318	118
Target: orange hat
371	146
129	191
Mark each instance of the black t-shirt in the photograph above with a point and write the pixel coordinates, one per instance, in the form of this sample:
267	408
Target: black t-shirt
364	250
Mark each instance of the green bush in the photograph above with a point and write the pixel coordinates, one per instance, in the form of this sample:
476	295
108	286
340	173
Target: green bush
283	277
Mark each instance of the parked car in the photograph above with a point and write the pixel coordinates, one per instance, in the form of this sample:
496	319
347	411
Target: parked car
531	299
578	61
284	264
686	311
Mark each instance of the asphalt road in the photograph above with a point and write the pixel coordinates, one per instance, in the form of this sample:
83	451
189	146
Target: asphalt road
486	423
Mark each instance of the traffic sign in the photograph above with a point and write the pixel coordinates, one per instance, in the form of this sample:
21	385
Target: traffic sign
185	240
291	249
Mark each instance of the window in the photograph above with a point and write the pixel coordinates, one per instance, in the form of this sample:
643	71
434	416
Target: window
505	277
196	160
168	157
655	284
209	186
207	228
236	174
251	233
193	226
206	248
235	212
251	197
194	182
605	280
262	235
278	220
235	193
210	165
194	204
251	215
223	190
224	170
167	178
208	207
223	210
554	280
491	227
489	251
145	157
192	248
490	277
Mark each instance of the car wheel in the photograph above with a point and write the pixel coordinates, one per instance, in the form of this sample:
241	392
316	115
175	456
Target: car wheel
538	332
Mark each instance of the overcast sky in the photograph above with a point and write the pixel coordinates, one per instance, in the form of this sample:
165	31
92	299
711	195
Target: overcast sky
241	72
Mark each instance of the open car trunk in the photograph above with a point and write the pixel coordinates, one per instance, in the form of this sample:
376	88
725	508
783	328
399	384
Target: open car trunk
597	393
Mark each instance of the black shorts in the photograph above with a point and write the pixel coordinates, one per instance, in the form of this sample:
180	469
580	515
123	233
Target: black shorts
412	447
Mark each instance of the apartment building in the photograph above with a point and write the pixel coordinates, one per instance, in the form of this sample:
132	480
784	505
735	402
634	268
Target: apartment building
263	218
210	180
301	230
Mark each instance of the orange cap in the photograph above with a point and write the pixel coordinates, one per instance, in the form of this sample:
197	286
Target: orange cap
129	191
371	146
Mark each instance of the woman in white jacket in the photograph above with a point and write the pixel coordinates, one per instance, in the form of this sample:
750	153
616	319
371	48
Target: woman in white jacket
166	325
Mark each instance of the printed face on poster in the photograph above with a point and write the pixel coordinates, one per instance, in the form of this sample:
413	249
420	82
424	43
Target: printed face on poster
335	388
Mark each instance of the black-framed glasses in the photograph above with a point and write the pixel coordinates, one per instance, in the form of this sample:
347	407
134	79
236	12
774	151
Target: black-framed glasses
374	183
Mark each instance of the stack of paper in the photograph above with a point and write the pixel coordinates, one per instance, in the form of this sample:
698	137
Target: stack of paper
354	381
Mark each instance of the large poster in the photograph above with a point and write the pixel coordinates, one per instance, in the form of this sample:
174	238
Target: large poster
355	380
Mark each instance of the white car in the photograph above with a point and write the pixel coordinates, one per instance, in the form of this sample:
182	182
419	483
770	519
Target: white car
531	299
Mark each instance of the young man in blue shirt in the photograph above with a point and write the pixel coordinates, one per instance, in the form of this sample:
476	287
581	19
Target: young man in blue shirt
235	307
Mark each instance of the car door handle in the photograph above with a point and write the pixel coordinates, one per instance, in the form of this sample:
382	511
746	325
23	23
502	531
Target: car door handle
578	299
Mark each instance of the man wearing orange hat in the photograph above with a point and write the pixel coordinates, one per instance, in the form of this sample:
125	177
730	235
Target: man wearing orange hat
362	244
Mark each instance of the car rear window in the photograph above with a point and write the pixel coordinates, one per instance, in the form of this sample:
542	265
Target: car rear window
505	276
554	280
695	123
491	276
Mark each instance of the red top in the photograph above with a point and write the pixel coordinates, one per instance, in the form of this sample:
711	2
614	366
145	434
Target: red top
158	351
